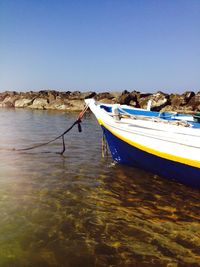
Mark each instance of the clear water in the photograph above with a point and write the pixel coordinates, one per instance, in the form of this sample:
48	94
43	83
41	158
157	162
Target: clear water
83	210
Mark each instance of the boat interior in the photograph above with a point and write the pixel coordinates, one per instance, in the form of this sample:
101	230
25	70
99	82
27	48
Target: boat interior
136	113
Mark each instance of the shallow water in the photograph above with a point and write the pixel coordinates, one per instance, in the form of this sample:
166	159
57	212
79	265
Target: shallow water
84	210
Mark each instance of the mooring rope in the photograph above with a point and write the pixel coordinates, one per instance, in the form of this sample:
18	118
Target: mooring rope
77	122
104	146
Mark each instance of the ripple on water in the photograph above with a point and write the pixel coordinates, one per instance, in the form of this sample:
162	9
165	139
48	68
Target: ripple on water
82	210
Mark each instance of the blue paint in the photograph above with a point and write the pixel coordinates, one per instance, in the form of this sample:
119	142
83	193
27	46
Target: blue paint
107	108
147	113
141	112
127	154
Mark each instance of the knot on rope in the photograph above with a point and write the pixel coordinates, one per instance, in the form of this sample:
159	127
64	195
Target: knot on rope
79	127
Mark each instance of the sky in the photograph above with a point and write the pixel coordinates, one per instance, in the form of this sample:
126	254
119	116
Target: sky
100	45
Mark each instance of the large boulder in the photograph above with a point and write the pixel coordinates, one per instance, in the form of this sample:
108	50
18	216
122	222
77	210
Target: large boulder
7	105
76	95
57	104
127	98
3	96
75	105
89	95
39	103
158	101
178	101
9	100
67	104
23	102
115	94
51	96
108	100
194	102
134	99
124	99
104	95
80	95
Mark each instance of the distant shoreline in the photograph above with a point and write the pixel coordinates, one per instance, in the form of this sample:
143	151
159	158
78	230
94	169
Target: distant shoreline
188	102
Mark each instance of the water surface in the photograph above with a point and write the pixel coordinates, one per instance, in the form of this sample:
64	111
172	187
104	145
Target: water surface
84	210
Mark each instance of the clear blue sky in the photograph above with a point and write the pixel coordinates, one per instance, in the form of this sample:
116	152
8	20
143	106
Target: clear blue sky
101	45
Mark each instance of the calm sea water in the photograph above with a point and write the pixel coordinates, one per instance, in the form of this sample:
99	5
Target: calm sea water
84	210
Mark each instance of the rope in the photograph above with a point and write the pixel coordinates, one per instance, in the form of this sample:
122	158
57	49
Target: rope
159	119
77	122
104	146
172	114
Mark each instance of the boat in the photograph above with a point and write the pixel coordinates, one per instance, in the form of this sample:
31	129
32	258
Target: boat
166	144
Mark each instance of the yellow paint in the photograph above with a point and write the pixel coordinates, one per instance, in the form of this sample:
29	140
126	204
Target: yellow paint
193	163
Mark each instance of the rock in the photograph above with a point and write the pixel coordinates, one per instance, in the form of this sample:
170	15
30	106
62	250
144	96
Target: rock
74	95
158	101
58	103
134	99
115	94
143	100
144	95
7	105
86	95
58	107
67	104
3	96
178	101
103	95
76	105
89	95
51	97
23	103
10	99
127	98
181	109
107	101
134	104
125	92
194	102
167	108
188	95
74	101
124	99
39	103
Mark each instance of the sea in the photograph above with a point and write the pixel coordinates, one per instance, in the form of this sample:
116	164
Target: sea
80	209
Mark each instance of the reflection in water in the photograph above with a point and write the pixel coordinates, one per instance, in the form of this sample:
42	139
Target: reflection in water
82	210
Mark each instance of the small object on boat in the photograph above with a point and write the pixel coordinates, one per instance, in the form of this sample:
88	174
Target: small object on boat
167	144
197	117
149	105
116	113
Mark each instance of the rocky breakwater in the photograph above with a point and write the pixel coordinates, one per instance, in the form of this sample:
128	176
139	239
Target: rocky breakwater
188	102
50	100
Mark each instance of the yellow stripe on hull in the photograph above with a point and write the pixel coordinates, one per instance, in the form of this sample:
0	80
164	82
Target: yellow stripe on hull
193	163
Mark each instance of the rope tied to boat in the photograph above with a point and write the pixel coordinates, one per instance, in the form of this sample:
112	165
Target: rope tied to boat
77	122
104	146
159	119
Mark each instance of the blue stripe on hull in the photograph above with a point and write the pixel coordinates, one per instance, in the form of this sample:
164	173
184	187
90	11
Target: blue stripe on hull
124	153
